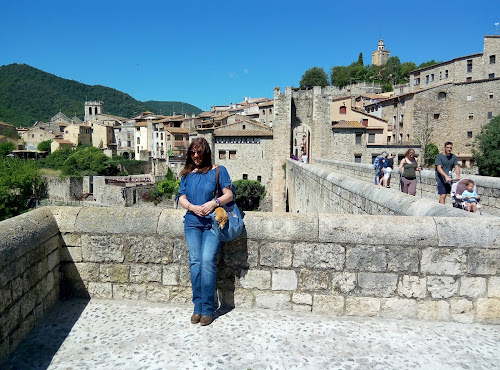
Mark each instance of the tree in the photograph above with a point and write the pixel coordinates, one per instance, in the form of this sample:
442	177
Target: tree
249	193
360	59
56	159
487	157
20	186
88	161
44	146
427	64
6	148
431	152
340	77
314	77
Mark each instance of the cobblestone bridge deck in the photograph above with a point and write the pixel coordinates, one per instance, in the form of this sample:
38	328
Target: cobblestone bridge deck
99	334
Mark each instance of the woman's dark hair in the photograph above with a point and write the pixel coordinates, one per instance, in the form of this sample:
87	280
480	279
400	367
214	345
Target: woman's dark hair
206	157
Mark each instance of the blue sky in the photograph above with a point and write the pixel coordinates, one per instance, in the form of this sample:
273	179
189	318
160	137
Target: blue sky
212	53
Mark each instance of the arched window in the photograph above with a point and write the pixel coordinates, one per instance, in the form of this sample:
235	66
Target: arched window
343	110
442	96
90	111
95	110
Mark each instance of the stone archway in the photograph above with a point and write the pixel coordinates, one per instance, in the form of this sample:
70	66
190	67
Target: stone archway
301	141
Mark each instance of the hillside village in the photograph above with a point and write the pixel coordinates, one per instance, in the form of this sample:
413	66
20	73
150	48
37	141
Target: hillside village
449	101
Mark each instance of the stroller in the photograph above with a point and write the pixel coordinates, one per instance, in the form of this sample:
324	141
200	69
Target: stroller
457	188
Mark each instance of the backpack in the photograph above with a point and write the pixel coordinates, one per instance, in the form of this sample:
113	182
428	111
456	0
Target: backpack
375	163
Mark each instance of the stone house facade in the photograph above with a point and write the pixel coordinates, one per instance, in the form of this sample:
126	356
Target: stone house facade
35	136
78	134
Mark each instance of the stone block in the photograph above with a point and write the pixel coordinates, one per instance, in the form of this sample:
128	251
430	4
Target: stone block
181	295
103	248
51	245
281	227
273	301
313	280
483	261
170	275
240	253
343	282
80	271
28	303
450	232
150	249
71	254
302	298
433	311
5	296
461	310
493	287
9	320
114	273
184	276
488	310
319	256
442	286
157	293
71	240
412	287
100	290
284	280
276	254
366	258
398	308
170	224
377	284
243	299
402	259
443	261
145	273
65	217
473	287
53	260
332	305
362	306
17	288
258	279
129	291
181	252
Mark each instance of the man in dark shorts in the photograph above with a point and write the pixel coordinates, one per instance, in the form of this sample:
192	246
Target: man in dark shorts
445	162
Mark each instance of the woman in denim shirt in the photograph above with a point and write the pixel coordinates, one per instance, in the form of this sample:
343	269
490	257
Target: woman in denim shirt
196	196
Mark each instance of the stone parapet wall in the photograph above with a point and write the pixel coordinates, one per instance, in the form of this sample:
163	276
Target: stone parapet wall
429	268
63	189
488	188
30	250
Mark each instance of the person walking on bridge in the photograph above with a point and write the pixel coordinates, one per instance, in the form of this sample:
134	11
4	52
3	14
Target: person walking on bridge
445	162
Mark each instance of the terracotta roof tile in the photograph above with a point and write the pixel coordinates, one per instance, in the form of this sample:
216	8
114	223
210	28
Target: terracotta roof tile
347	124
231	133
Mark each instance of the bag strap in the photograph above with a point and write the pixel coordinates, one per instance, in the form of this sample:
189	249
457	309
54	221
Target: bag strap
216	190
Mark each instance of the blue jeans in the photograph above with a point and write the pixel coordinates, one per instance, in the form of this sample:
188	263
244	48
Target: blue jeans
203	248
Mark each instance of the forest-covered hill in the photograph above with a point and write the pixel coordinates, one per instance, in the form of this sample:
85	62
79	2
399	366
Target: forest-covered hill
28	95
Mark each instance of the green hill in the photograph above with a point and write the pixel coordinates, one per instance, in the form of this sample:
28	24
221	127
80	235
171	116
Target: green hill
28	95
168	108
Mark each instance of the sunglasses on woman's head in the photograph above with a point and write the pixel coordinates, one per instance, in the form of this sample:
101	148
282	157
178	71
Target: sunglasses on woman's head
193	152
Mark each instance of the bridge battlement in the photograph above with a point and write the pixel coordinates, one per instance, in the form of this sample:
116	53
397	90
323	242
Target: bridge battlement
427	268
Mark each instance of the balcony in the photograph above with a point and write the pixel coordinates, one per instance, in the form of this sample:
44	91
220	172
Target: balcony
181	143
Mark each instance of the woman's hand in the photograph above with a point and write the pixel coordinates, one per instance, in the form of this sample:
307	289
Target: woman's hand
207	208
197	210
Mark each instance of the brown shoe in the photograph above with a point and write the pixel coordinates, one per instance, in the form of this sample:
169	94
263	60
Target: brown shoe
195	318
205	320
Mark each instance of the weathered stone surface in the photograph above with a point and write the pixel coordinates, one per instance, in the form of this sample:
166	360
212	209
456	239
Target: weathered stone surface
484	262
433	311
145	273
17	288
377	284
53	260
461	310
273	301
181	251
362	306
81	271
240	253
398	308
365	230
301	308
170	275
443	261
332	305
281	226
65	217
473	287
313	280
343	282
184	276
51	245
180	295
366	258
149	249
114	273
319	255
28	303
5	296
71	254
488	310
450	231
132	291
258	279
494	287
412	287
118	220
103	248
71	240
157	293
442	286
284	280
243	298
171	223
276	254
402	259
302	298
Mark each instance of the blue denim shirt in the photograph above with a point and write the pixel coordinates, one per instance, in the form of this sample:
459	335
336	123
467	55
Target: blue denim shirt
199	189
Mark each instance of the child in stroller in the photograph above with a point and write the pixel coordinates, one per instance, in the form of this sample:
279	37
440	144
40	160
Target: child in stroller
464	195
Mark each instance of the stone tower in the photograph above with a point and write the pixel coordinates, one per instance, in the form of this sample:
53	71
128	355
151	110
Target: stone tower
380	56
92	109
